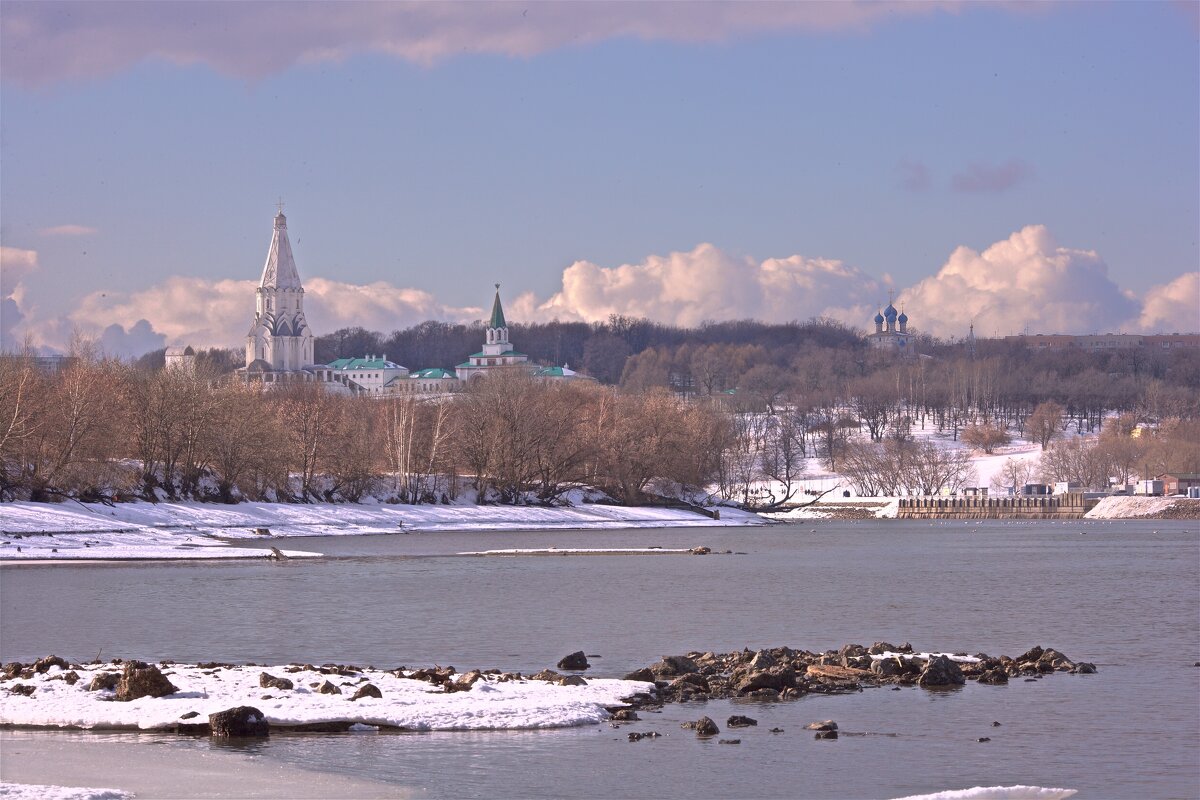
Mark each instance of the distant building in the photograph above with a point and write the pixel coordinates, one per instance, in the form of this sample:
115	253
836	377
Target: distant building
371	374
1179	482
279	346
497	351
181	358
891	331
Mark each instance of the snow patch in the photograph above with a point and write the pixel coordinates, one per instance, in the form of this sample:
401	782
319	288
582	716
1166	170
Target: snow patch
1017	792
31	791
406	703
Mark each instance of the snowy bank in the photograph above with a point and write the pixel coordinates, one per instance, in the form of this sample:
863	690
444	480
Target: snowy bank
33	791
194	530
405	702
1134	507
1018	792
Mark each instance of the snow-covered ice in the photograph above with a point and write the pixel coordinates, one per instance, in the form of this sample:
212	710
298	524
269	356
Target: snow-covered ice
1018	792
33	791
580	551
190	529
406	703
925	656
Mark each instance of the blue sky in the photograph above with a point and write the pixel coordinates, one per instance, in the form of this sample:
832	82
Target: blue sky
882	144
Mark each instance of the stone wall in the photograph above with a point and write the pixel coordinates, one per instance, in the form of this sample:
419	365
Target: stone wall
1060	506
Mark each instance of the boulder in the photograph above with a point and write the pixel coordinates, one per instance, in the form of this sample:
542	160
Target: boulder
71	678
823	725
572	680
143	680
25	689
268	681
940	671
44	664
777	678
994	677
367	690
703	727
643	674
1085	667
763	660
575	661
882	647
240	721
328	688
13	670
104	680
546	675
625	715
738	721
674	665
889	667
825	735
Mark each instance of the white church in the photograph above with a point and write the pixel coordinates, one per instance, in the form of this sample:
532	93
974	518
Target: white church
279	345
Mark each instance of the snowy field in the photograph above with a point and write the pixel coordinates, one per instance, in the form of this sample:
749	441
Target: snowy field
75	530
405	703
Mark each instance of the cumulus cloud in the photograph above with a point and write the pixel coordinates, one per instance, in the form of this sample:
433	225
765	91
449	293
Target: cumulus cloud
204	313
68	230
988	178
708	284
45	42
15	266
1173	307
1025	282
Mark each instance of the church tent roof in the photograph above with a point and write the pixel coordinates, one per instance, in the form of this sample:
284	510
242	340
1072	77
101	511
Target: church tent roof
280	270
497	320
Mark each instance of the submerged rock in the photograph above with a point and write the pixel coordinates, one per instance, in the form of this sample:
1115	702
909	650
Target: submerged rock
703	727
823	725
738	721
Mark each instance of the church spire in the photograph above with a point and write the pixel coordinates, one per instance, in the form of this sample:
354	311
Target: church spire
497	320
280	270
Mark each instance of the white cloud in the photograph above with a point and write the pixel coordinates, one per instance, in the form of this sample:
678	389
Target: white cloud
15	266
68	230
1173	307
706	283
45	42
1025	282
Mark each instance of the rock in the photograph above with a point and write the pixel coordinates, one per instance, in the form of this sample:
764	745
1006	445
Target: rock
776	730
889	667
104	680
643	674
729	741
13	669
995	724
823	725
1085	668
985	738
71	678
367	690
854	655
637	737
142	680
703	727
625	715
268	681
328	688
674	665
44	664
572	680
762	660
575	661
25	689
546	675
995	677
700	551
1030	655
738	721
776	679
882	647
240	721
825	735
189	715
940	671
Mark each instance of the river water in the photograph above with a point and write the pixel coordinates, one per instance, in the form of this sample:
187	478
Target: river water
1122	594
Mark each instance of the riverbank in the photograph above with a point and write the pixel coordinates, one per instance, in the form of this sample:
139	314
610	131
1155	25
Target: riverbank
191	530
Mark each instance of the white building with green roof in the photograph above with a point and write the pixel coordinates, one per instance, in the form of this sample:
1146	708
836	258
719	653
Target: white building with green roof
371	374
497	351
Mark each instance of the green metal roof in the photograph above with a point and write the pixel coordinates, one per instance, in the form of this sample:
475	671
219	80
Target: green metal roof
363	363
497	320
432	372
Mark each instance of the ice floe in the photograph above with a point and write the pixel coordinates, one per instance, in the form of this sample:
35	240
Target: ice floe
1018	792
32	791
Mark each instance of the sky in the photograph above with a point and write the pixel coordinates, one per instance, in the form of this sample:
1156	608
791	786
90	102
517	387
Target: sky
1016	167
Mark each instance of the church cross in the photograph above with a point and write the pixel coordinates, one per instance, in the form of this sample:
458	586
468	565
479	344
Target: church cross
279	205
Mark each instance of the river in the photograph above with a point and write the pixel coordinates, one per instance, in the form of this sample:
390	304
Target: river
1122	594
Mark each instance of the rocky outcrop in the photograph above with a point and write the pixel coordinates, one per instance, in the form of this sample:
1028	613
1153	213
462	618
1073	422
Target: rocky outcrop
243	721
326	687
367	690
